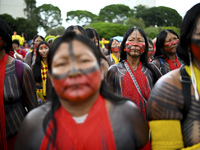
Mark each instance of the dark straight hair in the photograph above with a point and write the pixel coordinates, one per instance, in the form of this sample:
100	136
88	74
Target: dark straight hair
5	33
160	40
55	103
187	28
110	44
74	27
38	66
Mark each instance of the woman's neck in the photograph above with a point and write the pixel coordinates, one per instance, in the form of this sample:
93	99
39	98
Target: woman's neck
44	60
172	57
79	108
116	54
133	62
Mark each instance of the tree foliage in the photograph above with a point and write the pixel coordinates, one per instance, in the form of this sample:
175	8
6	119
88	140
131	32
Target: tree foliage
115	13
30	8
134	22
49	16
160	16
81	16
56	31
109	30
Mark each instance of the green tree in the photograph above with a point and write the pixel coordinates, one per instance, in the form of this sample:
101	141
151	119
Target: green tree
81	16
139	10
26	27
9	20
109	30
115	13
134	22
49	16
56	31
161	16
30	8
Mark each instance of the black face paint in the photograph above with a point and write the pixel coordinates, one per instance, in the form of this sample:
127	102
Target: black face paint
74	70
195	42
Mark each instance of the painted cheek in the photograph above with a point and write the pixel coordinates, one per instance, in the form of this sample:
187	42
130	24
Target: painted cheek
35	45
116	49
195	51
168	47
150	53
78	88
140	45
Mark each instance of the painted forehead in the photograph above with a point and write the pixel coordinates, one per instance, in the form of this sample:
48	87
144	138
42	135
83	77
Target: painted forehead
136	34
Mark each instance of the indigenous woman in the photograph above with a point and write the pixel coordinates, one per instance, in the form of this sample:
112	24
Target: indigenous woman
40	69
165	56
94	36
31	56
151	50
17	91
77	29
83	113
133	76
113	51
173	107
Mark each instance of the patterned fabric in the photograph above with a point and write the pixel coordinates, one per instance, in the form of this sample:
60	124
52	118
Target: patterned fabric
128	88
3	141
16	98
171	63
95	133
41	91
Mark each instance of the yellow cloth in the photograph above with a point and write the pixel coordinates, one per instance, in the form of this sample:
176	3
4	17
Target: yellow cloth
19	38
166	134
115	59
194	147
197	75
44	76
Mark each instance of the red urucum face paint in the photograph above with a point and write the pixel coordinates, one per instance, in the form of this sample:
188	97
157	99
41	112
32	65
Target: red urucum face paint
150	53
78	88
130	44
35	45
169	46
115	49
195	48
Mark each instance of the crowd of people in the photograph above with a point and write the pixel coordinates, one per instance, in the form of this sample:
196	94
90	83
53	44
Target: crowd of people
67	92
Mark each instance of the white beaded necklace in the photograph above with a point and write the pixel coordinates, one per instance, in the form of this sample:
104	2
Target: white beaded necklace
80	120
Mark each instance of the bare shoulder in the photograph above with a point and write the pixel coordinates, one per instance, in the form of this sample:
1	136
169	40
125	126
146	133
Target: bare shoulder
31	131
166	98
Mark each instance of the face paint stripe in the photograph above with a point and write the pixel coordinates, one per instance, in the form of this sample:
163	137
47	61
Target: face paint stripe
86	71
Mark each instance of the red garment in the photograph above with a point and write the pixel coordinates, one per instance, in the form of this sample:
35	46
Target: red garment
130	91
95	133
11	53
171	63
21	52
3	141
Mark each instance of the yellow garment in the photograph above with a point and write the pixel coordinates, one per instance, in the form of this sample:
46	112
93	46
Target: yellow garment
19	38
115	59
39	93
194	147
197	75
166	134
44	76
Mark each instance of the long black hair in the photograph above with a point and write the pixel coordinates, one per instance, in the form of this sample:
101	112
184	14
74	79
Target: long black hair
187	28
160	40
91	33
5	33
104	89
110	44
38	66
74	27
34	38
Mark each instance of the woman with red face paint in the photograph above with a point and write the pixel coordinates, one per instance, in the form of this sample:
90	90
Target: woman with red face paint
133	76
151	50
165	56
173	107
83	112
31	56
40	69
113	52
17	91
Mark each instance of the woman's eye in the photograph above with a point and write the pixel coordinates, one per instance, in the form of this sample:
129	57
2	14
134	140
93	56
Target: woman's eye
85	60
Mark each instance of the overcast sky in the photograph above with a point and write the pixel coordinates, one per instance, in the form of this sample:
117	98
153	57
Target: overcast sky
94	6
